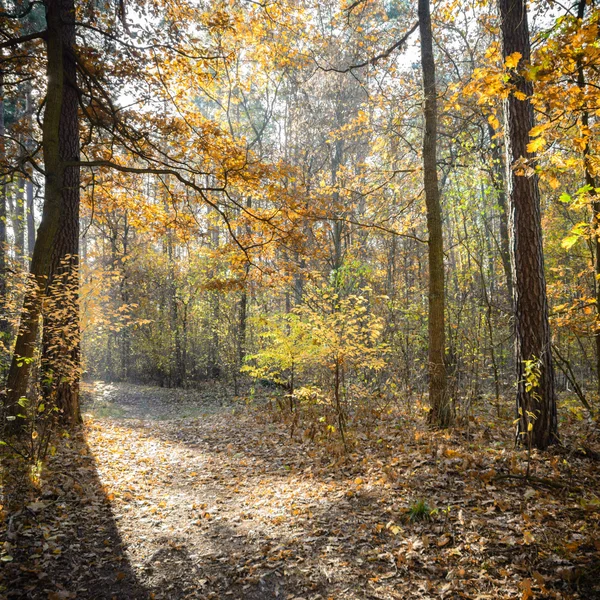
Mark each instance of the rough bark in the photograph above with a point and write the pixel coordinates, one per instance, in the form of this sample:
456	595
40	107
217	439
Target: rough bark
536	408
590	181
54	262
441	414
61	351
4	328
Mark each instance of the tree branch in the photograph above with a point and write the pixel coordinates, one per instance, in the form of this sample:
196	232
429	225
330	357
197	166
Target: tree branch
36	35
375	59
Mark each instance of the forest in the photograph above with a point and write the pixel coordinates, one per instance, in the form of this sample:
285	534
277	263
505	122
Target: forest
299	299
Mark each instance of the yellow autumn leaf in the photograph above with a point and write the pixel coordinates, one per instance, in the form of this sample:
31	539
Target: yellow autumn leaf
512	61
493	121
538	130
554	182
536	145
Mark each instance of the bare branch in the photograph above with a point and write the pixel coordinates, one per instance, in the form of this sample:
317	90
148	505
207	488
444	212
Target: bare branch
375	59
37	35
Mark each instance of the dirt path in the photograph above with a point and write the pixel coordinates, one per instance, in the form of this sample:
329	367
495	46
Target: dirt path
220	504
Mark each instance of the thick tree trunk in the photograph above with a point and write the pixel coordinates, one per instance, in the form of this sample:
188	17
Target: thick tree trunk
590	181
536	408
4	328
54	263
61	349
438	392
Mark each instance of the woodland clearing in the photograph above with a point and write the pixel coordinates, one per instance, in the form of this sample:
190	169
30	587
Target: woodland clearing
162	494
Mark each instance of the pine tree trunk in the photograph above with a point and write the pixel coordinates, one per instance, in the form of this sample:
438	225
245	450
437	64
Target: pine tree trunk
54	263
438	393
4	328
536	409
61	351
590	181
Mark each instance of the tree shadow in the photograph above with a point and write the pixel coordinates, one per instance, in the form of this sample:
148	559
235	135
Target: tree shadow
59	535
280	524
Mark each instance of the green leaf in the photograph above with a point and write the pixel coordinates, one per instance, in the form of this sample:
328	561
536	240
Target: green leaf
584	189
564	197
576	233
570	241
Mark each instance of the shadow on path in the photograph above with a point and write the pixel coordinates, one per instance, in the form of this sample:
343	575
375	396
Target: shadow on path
59	536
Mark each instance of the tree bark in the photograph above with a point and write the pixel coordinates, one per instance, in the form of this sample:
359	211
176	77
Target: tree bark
61	350
441	414
590	181
536	408
4	327
29	184
54	264
498	171
19	222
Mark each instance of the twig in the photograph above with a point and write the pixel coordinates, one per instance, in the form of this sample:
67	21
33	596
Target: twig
557	485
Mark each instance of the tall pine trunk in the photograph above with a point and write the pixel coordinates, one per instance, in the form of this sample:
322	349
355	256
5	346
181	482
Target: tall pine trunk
590	181
4	326
54	263
536	408
438	390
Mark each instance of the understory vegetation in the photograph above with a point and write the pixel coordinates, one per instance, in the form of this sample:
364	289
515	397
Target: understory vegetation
299	299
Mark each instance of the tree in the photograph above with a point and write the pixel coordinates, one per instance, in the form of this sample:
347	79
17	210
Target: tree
438	392
3	240
536	398
55	250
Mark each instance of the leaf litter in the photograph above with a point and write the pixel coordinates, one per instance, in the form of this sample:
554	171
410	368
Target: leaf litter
221	503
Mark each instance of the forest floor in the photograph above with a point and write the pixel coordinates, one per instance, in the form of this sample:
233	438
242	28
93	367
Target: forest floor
166	494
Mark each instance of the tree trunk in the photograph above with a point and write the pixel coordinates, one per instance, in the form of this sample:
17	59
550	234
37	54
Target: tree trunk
498	182
243	307
30	219
536	408
54	262
19	222
438	397
4	327
29	187
590	181
61	344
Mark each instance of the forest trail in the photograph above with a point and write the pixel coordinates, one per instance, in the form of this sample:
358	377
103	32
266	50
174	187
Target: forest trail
170	497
